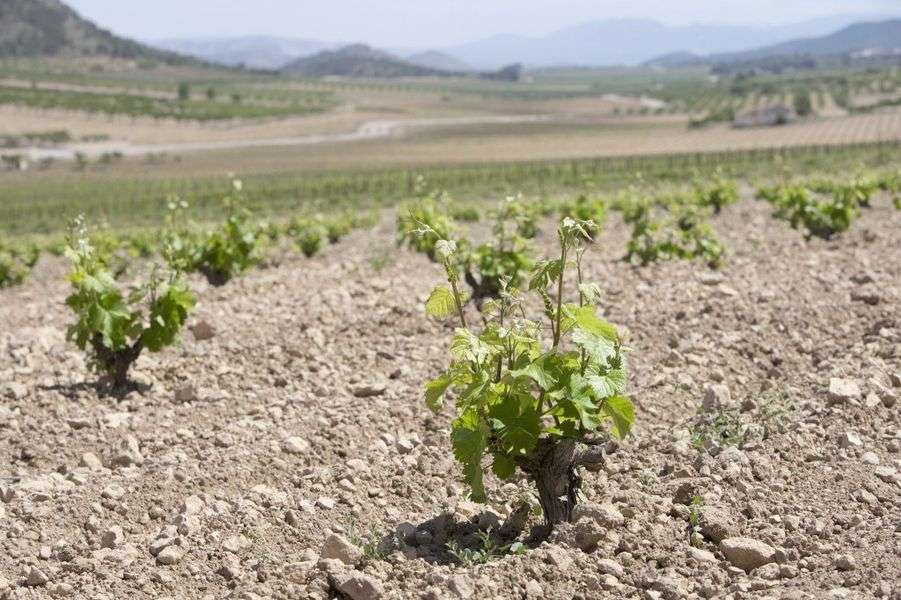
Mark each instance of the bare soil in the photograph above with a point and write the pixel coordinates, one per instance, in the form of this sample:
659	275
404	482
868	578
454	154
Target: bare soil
302	417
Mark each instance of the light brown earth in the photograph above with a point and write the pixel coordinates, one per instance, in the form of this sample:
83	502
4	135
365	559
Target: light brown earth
203	458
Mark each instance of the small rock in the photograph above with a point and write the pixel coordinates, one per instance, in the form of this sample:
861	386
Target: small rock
849	439
170	555
404	446
769	571
359	586
747	553
186	393
16	390
606	515
717	523
191	505
842	390
533	589
113	492
292	518
870	458
716	397
36	578
112	537
203	331
90	461
608	566
887	474
461	587
295	445
339	548
79	422
844	562
701	555
326	503
235	543
368	390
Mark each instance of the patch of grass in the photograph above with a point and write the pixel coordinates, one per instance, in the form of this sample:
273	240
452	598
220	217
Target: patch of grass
486	552
718	429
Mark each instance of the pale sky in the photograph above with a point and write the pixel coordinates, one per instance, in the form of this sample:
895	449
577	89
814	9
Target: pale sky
434	23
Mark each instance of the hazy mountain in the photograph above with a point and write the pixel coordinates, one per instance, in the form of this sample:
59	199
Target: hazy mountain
358	60
433	59
50	28
881	35
257	51
633	41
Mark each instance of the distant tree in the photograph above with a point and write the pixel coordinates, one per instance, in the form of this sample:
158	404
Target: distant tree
184	91
236	98
211	94
509	73
803	104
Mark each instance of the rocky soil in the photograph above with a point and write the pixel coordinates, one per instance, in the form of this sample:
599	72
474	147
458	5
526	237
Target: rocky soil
284	451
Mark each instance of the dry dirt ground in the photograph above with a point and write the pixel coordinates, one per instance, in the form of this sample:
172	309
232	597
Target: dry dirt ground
250	463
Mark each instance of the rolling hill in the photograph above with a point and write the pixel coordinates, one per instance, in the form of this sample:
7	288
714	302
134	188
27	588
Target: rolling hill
256	52
634	41
876	36
433	59
357	60
50	28
882	35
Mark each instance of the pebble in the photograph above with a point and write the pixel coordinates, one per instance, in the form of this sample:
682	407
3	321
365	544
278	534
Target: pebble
203	331
170	555
112	537
842	390
295	445
887	474
185	393
113	492
608	566
359	586
849	439
533	589
747	553
606	515
36	577
90	461
368	390
717	396
844	562
701	555
870	458
339	548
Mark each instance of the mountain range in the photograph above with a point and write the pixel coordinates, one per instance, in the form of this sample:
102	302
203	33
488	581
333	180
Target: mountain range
51	28
356	60
877	35
595	43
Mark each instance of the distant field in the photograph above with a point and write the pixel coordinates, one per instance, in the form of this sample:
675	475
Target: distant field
45	207
596	121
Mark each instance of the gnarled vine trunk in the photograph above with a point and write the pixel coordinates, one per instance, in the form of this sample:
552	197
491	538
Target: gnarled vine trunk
116	363
553	468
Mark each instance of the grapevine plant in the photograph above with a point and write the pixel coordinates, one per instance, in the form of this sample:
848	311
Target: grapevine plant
423	225
588	210
801	207
16	263
504	260
221	253
529	395
115	326
676	229
716	193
